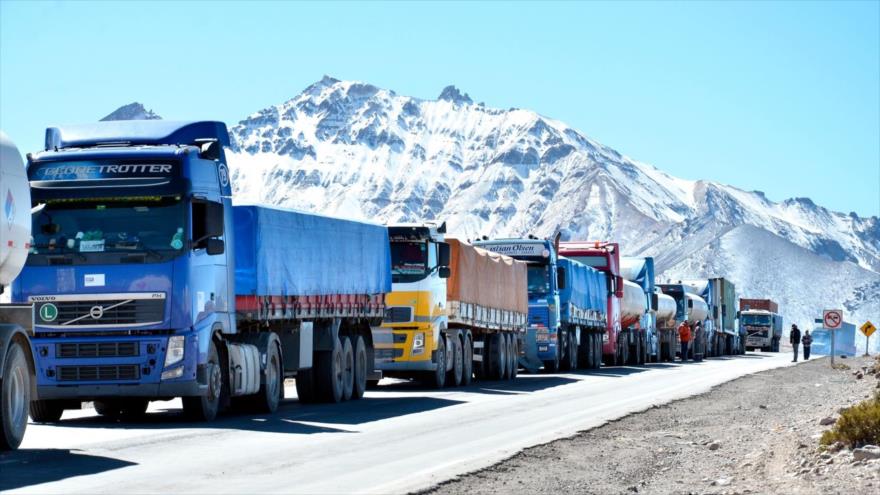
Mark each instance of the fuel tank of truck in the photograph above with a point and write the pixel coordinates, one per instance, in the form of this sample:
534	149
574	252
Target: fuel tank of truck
633	305
698	310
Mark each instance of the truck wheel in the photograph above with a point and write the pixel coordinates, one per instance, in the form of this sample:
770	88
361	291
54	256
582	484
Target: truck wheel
347	369
453	377
15	395
513	356
360	368
467	363
46	411
272	390
437	378
329	371
572	351
305	386
502	370
206	407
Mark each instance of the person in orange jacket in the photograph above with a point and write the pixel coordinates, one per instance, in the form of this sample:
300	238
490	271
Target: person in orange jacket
684	335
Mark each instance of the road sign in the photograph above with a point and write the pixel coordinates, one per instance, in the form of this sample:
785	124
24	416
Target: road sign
832	318
867	328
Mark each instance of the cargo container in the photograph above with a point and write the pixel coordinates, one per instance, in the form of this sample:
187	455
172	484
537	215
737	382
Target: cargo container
762	304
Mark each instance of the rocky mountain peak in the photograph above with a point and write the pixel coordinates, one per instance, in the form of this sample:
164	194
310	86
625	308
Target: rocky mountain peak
132	111
451	93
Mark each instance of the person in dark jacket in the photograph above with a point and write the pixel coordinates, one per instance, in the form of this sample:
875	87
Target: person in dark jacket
795	339
807	341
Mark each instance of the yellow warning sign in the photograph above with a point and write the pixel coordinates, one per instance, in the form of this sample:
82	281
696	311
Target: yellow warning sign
867	328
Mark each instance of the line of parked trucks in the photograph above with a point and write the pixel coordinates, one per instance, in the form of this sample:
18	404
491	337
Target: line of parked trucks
134	278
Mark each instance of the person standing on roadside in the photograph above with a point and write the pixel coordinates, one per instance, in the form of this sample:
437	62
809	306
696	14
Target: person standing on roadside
684	336
807	341
795	339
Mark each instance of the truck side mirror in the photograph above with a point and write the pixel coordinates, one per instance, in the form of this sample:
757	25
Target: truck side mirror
443	254
560	278
215	246
715	312
444	272
690	304
210	150
655	302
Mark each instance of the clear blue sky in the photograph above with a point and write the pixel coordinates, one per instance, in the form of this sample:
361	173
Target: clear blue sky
778	97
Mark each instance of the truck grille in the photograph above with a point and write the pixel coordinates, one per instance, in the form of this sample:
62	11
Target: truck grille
102	312
398	314
96	349
539	316
98	373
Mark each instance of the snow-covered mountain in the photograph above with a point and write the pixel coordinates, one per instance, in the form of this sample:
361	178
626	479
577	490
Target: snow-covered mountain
132	111
354	150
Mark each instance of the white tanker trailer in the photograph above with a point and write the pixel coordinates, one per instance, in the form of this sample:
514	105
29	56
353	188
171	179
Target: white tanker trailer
16	321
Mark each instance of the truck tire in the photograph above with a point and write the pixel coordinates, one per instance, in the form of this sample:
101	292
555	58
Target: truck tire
467	361
206	407
46	411
305	386
572	351
503	365
360	368
272	389
513	356
329	380
437	378
15	395
453	377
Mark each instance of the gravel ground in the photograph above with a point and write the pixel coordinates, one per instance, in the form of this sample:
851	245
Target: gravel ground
757	434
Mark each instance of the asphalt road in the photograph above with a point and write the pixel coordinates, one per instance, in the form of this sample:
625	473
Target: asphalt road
399	438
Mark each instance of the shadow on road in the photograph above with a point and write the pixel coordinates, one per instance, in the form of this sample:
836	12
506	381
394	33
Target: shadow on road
523	383
291	417
28	467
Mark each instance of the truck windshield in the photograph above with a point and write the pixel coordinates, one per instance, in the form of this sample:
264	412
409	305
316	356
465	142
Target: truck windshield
409	261
594	261
539	279
755	320
87	227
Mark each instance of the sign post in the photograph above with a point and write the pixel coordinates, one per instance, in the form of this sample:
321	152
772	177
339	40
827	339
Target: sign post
867	328
832	319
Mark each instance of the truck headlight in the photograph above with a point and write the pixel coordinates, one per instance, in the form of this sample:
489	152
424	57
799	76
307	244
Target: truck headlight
418	346
174	354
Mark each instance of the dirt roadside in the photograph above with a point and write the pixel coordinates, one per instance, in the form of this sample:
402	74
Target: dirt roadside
756	434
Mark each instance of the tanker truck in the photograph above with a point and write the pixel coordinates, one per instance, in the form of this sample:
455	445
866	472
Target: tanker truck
722	336
691	308
658	321
455	310
16	320
623	341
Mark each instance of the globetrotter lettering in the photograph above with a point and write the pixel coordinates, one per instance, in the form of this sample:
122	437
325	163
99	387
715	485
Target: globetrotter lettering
100	170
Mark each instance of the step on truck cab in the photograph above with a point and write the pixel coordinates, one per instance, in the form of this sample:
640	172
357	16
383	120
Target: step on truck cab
692	308
762	323
149	285
455	311
16	320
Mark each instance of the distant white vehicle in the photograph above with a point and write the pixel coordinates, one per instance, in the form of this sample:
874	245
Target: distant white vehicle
16	321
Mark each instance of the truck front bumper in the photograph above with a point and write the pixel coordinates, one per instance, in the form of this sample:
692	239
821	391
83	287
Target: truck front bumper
152	390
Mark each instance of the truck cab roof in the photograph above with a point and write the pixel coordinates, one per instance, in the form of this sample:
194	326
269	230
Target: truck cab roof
135	132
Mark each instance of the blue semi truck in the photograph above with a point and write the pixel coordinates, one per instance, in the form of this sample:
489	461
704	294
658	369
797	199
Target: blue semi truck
148	284
566	314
